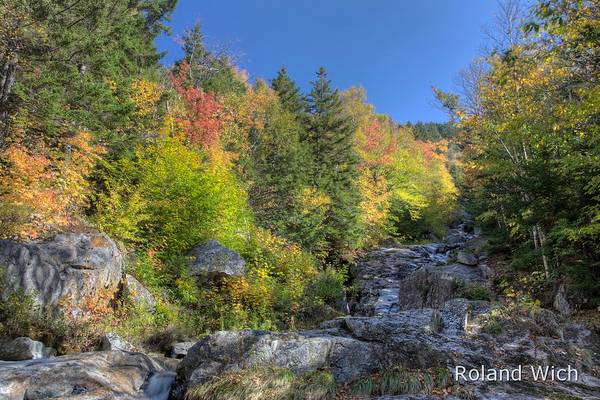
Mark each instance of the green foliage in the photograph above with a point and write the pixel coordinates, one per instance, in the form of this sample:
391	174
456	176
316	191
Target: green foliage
288	93
424	196
12	218
493	326
433	131
63	75
533	150
279	175
330	138
170	198
474	291
266	383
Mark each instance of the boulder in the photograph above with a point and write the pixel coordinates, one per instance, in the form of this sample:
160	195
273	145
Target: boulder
466	258
85	376
350	347
180	350
65	270
112	341
426	287
22	348
136	292
433	286
213	258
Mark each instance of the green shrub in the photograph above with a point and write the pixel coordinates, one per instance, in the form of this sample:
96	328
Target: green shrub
474	291
492	326
21	316
170	197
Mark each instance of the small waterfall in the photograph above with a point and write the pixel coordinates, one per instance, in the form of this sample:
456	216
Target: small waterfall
158	386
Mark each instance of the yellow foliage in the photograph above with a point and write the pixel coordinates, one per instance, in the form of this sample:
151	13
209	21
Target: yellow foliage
52	187
375	205
145	95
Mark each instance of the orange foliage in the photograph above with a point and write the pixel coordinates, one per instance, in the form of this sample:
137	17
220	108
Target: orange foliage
375	145
52	187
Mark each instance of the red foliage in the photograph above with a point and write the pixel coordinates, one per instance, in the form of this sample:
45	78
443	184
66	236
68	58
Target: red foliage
378	144
428	151
202	121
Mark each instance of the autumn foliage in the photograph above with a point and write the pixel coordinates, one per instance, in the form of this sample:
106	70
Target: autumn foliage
50	188
202	115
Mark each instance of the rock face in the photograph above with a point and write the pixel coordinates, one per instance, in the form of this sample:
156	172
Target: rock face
66	269
466	258
21	348
112	341
561	303
135	291
408	315
180	349
213	258
86	376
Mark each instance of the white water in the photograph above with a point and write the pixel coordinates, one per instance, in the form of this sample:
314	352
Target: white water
158	386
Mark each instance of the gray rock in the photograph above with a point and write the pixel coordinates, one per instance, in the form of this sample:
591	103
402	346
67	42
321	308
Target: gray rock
426	287
112	341
21	348
466	258
49	352
67	269
135	291
350	347
180	350
561	303
213	258
85	376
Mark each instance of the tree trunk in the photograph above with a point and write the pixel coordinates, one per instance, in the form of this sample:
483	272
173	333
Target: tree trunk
8	74
542	241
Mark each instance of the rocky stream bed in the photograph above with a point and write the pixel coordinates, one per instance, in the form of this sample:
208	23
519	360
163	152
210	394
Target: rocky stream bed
410	312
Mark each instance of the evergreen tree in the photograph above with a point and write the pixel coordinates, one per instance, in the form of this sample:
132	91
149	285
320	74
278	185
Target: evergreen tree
69	66
280	166
212	72
289	94
330	138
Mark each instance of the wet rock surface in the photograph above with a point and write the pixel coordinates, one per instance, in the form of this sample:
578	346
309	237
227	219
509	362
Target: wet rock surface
22	348
86	376
409	314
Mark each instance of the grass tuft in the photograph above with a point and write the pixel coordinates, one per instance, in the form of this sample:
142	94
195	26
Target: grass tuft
266	383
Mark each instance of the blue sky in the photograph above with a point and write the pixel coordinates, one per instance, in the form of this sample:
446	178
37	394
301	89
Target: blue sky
396	49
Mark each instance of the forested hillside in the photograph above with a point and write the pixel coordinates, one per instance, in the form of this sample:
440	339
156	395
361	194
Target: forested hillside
529	119
96	134
190	231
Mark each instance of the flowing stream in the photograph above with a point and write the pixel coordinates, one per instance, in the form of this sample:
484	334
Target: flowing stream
158	386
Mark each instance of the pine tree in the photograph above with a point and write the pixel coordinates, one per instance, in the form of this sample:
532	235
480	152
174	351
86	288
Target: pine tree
330	138
280	166
210	71
289	94
75	63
